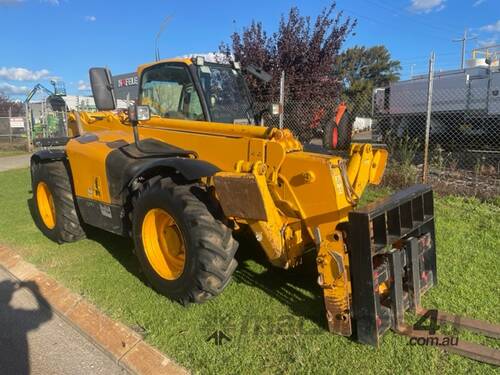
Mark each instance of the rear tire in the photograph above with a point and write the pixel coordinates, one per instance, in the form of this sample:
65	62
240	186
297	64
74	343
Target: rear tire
55	213
342	132
208	245
345	132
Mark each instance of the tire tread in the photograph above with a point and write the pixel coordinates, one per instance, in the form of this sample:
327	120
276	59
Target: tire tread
212	240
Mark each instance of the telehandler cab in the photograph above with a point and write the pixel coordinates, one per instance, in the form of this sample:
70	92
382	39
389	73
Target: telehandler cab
188	164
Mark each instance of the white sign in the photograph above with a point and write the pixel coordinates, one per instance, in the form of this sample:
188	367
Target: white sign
17	122
131	81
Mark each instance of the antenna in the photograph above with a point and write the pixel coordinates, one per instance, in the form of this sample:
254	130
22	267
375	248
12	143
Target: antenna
163	26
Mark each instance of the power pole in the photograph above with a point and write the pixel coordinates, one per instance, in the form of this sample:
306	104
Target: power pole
411	70
464	40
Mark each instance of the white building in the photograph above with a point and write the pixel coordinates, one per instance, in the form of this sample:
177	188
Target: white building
86	103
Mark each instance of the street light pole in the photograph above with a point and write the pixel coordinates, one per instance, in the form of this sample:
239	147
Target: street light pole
163	26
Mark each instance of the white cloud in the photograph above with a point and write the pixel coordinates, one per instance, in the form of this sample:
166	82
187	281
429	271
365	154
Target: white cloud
23	74
478	2
8	89
493	28
488	42
83	86
51	2
426	6
90	18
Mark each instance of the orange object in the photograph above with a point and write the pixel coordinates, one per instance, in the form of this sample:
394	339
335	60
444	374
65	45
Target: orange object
338	116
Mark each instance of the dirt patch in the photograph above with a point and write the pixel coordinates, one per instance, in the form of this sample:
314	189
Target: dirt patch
16	146
483	183
467	183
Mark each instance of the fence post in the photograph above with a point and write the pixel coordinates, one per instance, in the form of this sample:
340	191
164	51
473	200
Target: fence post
430	85
10	126
28	127
282	99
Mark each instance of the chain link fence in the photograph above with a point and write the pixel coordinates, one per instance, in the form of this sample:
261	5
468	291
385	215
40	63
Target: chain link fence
22	132
441	128
446	133
450	135
13	135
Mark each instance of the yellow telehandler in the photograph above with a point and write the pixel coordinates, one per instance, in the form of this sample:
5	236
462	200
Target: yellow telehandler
189	163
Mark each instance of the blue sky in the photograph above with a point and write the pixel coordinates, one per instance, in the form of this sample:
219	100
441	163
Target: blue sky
41	39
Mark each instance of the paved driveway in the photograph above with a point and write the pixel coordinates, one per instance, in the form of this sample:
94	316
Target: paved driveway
35	340
14	162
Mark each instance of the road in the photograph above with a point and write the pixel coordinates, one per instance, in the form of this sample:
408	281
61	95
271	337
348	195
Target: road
14	162
36	340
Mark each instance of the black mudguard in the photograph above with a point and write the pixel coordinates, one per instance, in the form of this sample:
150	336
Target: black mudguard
48	155
125	164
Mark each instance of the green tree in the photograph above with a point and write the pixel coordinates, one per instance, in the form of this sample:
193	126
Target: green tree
363	69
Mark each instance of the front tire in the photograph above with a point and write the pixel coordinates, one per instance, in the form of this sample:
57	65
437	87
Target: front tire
185	252
54	208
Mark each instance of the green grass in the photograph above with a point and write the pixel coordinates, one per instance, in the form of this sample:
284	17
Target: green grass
275	318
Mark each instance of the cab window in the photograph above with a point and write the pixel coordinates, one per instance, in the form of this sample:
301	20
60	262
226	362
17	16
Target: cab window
170	93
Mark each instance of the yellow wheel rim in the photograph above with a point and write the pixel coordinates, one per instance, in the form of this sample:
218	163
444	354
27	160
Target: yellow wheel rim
45	204
163	244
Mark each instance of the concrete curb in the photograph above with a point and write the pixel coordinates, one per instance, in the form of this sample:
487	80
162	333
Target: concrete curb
125	346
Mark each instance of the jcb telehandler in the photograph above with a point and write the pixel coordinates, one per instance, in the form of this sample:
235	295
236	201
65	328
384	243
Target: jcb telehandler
188	164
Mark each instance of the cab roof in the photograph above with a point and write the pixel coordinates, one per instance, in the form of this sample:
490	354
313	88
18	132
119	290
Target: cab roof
184	60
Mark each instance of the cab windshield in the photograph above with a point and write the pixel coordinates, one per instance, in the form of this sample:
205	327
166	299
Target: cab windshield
170	93
226	94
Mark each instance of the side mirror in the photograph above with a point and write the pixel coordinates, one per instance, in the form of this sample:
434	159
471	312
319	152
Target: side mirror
102	89
138	113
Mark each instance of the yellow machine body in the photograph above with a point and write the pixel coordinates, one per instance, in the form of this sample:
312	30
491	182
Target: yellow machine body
292	200
179	182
